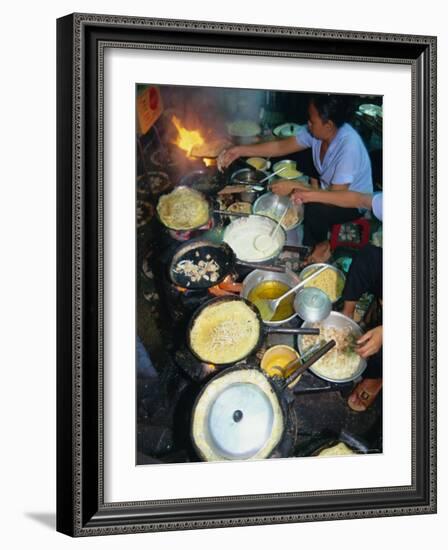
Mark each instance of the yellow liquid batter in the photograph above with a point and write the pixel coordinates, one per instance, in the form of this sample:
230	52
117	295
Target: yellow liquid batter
269	290
275	360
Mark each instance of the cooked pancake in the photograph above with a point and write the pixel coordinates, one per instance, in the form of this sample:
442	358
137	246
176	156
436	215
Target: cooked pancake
225	332
183	209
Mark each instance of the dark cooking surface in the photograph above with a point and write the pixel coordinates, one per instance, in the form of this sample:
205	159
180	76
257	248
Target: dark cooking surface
165	401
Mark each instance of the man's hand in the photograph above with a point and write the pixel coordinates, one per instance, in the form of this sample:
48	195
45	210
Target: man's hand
227	156
283	187
304	195
370	342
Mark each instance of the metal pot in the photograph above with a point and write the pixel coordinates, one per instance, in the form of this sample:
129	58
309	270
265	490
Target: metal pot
248	176
258	276
249	196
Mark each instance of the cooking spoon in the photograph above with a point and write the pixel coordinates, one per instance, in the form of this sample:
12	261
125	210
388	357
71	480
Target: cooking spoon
267	308
272	175
308	359
264	242
258	186
309	362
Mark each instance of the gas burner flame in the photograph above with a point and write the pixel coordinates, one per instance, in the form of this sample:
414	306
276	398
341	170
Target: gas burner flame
186	139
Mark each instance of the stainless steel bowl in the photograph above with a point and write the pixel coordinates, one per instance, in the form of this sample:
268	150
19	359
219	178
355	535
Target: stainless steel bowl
273	206
290	164
336	320
239	225
248	176
286	162
309	268
258	276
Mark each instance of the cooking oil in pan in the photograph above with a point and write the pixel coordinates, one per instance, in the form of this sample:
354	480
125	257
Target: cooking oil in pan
269	290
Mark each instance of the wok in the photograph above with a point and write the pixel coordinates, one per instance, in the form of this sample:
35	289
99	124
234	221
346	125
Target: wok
205	180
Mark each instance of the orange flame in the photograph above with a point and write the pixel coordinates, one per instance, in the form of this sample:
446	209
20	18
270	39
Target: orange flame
186	139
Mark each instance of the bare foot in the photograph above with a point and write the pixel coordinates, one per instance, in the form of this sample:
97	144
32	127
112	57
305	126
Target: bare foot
364	394
320	254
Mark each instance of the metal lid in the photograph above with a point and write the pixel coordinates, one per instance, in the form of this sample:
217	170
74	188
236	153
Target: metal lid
240	421
312	304
237	417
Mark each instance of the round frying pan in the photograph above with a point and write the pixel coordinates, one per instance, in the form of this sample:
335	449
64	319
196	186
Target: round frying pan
204	180
263	330
203	197
201	250
240	413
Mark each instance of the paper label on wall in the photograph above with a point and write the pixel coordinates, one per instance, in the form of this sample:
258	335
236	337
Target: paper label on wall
149	108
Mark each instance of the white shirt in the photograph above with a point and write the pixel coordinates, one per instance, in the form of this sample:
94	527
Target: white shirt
346	160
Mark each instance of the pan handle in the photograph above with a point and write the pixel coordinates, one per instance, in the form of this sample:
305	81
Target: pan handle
292	248
236	214
273	268
319	353
312	331
226	288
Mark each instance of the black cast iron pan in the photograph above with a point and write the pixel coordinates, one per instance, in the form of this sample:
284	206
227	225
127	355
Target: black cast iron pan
239	407
201	250
263	330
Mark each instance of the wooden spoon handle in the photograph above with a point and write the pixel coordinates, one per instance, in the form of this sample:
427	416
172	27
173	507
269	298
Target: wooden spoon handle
320	353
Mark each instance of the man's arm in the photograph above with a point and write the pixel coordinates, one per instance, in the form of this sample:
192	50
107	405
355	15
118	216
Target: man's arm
343	198
277	148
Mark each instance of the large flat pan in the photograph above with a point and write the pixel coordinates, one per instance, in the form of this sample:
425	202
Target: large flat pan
203	250
263	329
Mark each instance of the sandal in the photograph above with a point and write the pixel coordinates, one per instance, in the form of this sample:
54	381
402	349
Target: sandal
364	394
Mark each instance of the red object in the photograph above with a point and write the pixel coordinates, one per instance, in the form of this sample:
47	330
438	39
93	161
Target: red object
364	227
153	98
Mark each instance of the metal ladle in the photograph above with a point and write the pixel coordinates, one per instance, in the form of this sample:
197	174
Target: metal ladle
312	356
264	242
267	308
259	187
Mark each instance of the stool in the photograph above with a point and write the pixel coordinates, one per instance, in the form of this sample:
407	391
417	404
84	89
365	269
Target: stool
364	227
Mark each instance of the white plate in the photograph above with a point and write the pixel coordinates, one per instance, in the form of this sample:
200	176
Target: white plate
371	110
288	129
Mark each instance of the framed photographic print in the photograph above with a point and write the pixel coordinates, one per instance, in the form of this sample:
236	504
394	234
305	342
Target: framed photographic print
246	274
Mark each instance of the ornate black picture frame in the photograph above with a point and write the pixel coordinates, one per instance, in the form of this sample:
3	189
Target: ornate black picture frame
81	40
